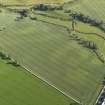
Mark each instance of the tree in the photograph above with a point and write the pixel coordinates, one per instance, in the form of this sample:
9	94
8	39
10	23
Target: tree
46	7
73	22
14	63
89	44
23	13
40	7
87	19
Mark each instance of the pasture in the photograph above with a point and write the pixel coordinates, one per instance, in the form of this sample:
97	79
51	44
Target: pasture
93	8
19	87
46	50
86	28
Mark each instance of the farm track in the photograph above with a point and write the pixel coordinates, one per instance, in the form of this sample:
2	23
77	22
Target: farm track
62	26
90	33
54	17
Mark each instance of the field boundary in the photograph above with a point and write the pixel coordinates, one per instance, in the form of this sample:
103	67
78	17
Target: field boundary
42	79
101	91
39	77
90	33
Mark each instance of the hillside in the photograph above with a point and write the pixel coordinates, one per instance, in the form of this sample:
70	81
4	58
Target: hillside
62	45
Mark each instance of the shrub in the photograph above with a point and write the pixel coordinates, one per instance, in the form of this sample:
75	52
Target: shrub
33	17
46	7
90	45
87	19
23	13
14	63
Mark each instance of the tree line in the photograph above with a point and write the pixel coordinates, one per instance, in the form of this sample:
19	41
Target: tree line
9	59
46	7
90	45
86	19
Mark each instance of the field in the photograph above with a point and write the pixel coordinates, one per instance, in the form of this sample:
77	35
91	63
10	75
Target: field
92	8
28	2
47	51
18	87
45	44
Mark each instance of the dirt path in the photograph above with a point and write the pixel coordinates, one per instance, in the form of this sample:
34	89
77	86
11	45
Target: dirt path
90	33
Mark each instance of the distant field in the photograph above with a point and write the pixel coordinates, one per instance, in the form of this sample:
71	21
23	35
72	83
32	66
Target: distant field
18	87
47	51
79	26
27	2
92	8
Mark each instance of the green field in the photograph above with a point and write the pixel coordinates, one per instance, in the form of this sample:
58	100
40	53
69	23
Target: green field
47	51
28	2
79	26
92	8
18	87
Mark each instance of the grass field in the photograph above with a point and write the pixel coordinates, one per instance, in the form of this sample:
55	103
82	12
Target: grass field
79	26
19	87
28	2
92	8
87	28
47	51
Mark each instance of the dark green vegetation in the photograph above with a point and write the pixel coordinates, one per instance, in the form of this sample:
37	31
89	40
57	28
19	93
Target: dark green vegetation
87	19
43	7
63	47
